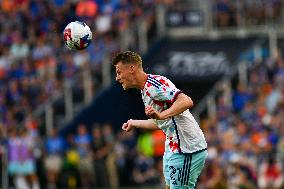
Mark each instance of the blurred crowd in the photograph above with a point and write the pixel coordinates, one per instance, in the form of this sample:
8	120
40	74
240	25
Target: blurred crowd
245	144
92	157
245	139
34	63
246	149
247	12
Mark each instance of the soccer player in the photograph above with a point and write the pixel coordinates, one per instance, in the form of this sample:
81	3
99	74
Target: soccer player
168	108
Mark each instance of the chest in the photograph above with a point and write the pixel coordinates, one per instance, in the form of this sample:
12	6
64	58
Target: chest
150	101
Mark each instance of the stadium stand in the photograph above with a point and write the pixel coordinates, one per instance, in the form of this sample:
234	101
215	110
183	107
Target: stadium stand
49	139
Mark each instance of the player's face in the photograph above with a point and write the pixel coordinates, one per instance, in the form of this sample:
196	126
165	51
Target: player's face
124	75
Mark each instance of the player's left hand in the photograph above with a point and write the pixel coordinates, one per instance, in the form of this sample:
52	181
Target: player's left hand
152	113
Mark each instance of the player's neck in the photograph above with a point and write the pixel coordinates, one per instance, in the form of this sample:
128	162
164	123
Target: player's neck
141	80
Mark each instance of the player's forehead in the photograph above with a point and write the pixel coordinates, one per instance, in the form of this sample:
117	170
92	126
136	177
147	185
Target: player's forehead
120	66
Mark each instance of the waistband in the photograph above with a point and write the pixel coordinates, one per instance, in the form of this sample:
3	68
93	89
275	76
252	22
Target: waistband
198	151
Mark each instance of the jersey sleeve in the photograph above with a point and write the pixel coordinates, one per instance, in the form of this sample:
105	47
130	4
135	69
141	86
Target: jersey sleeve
162	89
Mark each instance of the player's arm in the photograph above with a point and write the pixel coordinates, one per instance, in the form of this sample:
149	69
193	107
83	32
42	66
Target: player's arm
182	103
143	124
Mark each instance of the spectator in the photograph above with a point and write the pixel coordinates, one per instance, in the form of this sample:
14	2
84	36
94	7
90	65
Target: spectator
224	13
241	96
19	49
53	161
100	151
86	8
144	173
270	174
217	175
21	161
158	139
83	147
109	136
70	176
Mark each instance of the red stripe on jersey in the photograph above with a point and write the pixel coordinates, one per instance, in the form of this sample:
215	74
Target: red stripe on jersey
164	82
159	103
148	94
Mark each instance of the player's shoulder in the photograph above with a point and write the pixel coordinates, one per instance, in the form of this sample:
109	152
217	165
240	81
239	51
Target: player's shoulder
157	78
158	82
155	81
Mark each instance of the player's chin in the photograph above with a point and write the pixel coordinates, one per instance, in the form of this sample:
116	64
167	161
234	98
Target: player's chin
125	87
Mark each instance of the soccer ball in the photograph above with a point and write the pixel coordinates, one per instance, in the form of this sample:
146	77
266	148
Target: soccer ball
77	35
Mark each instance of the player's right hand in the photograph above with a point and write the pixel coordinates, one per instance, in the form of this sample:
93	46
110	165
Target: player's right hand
127	126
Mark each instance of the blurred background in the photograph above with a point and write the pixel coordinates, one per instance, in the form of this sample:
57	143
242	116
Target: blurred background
61	111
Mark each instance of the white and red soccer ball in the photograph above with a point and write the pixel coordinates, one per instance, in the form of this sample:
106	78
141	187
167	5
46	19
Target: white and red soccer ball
77	35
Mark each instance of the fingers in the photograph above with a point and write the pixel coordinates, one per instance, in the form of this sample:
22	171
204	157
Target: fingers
127	126
149	110
124	126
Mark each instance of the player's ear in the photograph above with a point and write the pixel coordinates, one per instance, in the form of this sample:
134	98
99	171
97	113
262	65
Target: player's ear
132	68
